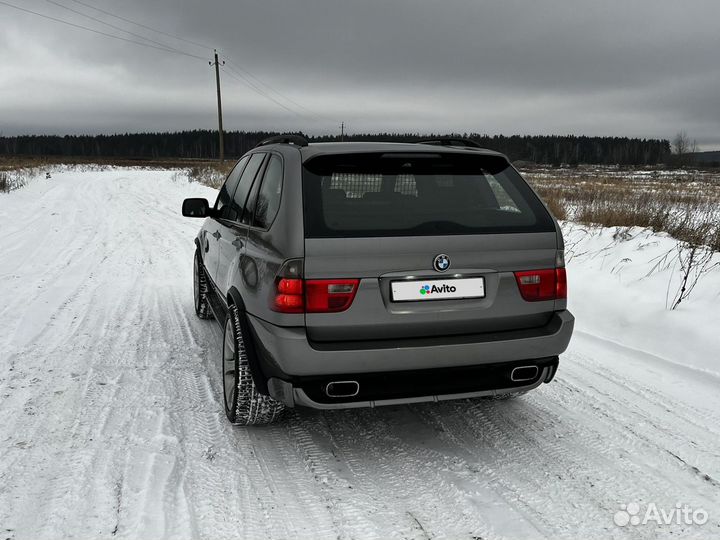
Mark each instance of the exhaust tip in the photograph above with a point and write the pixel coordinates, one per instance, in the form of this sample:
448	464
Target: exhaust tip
342	389
524	373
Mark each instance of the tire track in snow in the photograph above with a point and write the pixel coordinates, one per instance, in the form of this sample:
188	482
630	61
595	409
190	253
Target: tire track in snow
387	457
655	437
128	438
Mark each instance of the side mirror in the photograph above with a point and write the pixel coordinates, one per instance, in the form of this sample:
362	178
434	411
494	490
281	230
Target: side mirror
196	208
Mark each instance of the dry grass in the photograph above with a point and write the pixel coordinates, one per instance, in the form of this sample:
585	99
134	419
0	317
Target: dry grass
8	163
556	207
684	204
212	175
16	170
14	179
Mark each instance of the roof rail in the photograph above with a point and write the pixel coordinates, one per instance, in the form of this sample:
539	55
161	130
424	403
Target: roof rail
450	141
297	140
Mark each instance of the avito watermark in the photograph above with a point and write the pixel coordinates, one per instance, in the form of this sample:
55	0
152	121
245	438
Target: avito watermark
632	514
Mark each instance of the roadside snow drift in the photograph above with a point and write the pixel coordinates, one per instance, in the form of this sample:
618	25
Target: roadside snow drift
111	423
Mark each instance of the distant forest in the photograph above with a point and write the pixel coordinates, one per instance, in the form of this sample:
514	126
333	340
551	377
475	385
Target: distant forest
203	144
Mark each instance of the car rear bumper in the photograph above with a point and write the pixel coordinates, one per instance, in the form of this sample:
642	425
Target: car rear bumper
398	387
286	352
289	362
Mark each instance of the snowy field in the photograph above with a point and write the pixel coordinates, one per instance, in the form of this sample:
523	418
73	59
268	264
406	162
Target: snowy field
111	423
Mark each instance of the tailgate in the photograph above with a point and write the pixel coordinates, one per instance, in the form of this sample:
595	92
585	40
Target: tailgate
377	262
385	217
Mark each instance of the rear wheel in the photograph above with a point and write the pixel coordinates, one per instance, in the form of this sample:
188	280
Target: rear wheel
244	405
200	289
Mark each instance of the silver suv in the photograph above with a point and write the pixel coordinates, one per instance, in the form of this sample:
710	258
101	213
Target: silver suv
364	274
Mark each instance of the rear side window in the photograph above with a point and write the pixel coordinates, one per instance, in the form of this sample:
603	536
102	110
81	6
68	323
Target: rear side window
391	194
268	200
228	188
243	188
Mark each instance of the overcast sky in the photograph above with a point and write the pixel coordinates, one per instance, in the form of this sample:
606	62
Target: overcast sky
645	68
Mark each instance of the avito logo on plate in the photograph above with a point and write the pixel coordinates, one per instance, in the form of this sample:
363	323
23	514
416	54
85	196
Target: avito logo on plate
445	289
427	289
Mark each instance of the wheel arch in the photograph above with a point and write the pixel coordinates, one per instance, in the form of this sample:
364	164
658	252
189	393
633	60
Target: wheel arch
235	298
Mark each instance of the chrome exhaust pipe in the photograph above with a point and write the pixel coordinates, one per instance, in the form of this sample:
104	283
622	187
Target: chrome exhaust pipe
342	389
524	373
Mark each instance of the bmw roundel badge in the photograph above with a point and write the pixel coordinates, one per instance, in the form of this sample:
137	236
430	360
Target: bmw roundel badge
441	262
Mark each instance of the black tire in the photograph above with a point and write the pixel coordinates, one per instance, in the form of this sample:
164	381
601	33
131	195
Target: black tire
244	405
200	289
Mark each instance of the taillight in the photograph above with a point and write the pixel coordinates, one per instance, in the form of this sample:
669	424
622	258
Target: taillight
539	285
329	295
561	293
289	297
289	294
560	276
295	295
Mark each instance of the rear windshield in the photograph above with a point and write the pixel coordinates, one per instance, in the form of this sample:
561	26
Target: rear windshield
391	194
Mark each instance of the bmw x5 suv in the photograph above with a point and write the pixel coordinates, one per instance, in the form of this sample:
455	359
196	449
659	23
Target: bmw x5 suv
363	274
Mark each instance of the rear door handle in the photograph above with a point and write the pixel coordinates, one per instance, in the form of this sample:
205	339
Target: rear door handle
216	235
237	243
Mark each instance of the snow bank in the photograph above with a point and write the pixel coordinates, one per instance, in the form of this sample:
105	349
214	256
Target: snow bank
622	283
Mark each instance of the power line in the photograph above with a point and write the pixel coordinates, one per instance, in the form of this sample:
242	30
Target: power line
111	25
236	72
100	32
278	93
238	77
143	25
239	71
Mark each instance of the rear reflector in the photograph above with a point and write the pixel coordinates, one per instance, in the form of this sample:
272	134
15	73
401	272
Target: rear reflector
539	285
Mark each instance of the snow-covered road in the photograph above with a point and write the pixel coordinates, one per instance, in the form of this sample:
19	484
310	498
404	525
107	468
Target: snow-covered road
111	422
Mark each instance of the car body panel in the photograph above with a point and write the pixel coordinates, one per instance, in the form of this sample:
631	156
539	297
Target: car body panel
210	249
379	261
287	351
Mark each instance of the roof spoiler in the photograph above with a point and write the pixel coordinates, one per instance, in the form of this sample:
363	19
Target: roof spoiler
450	141
297	140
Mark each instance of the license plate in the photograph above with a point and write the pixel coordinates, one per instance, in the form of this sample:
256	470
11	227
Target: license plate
437	289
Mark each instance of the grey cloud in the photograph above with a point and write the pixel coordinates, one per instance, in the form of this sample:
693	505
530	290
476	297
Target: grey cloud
642	68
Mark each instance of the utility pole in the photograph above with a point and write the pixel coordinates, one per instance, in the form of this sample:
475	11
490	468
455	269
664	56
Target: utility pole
342	131
217	65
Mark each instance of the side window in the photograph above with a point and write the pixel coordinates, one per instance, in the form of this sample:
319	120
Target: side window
247	213
243	188
228	188
268	200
